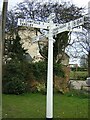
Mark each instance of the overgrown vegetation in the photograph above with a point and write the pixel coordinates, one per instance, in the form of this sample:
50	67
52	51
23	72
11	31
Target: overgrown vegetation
17	75
13	78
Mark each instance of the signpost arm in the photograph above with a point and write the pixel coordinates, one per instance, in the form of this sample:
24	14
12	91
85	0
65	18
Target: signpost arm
49	102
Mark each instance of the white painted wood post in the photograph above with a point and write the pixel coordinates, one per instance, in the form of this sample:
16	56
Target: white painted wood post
49	101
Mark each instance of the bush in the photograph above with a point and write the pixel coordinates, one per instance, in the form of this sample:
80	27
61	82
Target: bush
13	78
41	88
39	70
58	71
15	86
16	74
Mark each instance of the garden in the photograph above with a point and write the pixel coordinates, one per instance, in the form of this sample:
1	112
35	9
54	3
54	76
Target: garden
24	92
24	81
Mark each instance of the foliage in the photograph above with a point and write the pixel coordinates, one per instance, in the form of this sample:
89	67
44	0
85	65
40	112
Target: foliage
80	74
13	78
58	71
79	69
38	70
14	73
38	11
41	88
14	50
15	86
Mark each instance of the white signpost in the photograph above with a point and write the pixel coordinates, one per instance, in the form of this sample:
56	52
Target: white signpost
54	29
32	23
58	28
68	26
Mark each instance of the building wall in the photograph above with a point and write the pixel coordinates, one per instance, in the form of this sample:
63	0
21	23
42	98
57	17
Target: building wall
26	38
27	34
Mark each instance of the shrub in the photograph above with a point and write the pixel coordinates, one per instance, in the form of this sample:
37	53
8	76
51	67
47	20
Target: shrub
39	70
58	71
15	86
41	88
13	78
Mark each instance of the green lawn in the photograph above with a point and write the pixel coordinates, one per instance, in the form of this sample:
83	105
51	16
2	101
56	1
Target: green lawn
33	106
78	75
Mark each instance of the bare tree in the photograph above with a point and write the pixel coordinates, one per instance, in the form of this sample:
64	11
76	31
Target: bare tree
80	46
39	11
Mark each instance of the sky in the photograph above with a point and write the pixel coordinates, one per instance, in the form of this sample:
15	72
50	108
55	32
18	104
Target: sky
80	3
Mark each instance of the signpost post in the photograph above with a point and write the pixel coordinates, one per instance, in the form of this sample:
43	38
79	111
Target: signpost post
49	26
49	102
54	29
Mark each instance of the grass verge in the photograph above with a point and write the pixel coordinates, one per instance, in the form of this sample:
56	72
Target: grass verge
34	106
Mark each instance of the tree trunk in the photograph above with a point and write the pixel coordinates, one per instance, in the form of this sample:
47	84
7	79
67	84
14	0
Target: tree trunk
89	64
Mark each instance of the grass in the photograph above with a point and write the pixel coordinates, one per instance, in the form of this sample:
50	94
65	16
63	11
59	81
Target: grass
34	105
78	74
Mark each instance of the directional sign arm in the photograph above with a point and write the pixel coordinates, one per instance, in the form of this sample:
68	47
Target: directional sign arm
35	24
32	23
68	26
39	38
75	23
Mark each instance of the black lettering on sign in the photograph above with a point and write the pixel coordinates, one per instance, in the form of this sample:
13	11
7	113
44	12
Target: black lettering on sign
74	24
78	22
69	26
